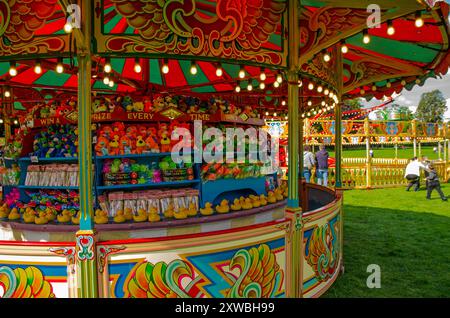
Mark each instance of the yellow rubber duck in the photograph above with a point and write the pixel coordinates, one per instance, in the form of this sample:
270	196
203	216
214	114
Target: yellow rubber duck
64	217
208	210
256	202
101	217
247	204
76	219
182	214
119	218
278	194
263	200
50	215
271	197
169	212
128	214
14	215
153	215
223	207
192	211
236	206
4	211
141	217
42	219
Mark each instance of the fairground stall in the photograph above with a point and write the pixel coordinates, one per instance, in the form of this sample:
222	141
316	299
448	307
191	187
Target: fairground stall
94	203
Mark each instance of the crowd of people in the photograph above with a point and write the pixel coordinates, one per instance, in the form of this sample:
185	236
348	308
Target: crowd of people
412	174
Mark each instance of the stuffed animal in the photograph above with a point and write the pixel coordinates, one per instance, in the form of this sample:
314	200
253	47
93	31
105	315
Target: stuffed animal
102	146
99	106
127	103
138	107
148	105
125	145
158	104
114	145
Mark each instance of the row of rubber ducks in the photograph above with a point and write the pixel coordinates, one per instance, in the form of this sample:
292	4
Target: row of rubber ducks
251	202
37	217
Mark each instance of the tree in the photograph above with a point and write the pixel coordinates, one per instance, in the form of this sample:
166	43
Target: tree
352	104
432	107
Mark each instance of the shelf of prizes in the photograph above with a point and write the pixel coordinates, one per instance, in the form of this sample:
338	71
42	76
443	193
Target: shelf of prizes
147	173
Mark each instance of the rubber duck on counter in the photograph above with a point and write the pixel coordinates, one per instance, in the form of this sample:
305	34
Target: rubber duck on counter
29	217
64	217
4	211
153	215
169	212
101	217
192	211
76	218
278	194
271	197
236	206
42	219
128	214
208	210
181	214
141	217
255	201
247	204
119	218
263	200
223	207
14	215
50	215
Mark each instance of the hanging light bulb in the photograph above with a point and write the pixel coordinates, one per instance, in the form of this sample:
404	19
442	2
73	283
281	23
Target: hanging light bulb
68	27
286	117
267	113
374	87
418	81
137	66
262	76
309	103
193	68
7	92
279	78
249	87
366	37
344	47
419	21
111	83
262	85
276	84
274	114
106	80
241	72
308	114
107	68
219	70
323	103
326	56
165	66
16	122
12	69
1	121
319	89
388	84
390	29
315	112
326	91
300	83
38	68
303	115
331	95
59	67
283	102
310	86
403	82
238	88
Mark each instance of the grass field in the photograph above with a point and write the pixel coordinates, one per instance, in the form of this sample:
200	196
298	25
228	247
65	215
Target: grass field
405	234
387	152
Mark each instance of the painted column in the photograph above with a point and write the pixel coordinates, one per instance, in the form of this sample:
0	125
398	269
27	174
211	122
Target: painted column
439	150
414	135
368	156
86	256
338	119
420	149
294	279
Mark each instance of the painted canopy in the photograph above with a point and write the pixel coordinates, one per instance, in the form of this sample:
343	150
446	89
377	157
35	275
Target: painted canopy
235	33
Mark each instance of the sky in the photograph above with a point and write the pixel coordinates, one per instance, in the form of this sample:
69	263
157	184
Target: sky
412	98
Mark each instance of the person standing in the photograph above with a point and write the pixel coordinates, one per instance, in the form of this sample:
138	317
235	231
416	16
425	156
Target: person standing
412	174
433	183
308	163
322	166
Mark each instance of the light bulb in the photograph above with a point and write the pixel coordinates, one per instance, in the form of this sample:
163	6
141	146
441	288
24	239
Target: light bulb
267	113
238	88
262	76
419	21
12	69
16	122
403	82
193	68
309	103
106	80
326	57
344	48
279	78
300	83
274	114
366	37
388	84
326	91
38	68
249	87
390	29
59	67
137	66
319	89
262	85
111	83
286	117
276	84
68	27
219	70
165	67
7	94
107	67
283	103
310	86
374	87
417	81
1	121
323	103
242	72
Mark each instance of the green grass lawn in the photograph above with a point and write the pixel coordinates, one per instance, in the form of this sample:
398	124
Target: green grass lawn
387	152
405	234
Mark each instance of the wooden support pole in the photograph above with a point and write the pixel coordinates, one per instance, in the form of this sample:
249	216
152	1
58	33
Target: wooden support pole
368	156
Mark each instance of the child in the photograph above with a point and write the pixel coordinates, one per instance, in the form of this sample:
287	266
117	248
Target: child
433	183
